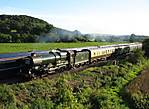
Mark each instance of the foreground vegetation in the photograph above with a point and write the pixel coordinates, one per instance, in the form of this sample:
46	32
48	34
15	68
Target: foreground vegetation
20	47
138	91
93	88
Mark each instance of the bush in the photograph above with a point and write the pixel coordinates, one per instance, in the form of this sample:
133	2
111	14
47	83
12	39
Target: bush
140	101
42	103
65	97
7	98
136	57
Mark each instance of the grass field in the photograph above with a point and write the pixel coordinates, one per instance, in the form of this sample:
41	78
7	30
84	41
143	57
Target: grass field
20	47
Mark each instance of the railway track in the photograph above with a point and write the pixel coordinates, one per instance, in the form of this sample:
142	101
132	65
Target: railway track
20	79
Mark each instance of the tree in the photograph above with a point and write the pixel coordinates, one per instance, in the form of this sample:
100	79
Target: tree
135	57
5	38
146	47
132	38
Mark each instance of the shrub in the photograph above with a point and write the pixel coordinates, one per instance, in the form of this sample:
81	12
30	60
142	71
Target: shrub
42	103
65	97
140	101
7	98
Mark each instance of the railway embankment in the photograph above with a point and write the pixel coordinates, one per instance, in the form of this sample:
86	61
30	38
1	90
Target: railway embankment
137	91
140	84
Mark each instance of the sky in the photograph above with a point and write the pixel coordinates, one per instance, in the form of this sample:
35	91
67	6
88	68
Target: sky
118	17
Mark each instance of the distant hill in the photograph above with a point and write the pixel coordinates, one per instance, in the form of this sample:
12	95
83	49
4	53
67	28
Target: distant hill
117	38
22	28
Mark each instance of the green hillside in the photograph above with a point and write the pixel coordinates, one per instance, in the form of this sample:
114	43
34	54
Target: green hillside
21	28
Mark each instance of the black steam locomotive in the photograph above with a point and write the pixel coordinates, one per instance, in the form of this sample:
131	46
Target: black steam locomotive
37	63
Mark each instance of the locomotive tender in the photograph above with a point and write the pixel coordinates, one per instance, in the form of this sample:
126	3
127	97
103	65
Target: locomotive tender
42	62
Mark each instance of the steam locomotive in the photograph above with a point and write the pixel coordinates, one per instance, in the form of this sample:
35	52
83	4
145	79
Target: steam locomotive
36	63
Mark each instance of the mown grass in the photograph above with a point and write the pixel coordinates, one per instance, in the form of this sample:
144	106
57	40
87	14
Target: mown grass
21	47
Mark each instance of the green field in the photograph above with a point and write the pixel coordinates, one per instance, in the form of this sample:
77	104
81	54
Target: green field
20	47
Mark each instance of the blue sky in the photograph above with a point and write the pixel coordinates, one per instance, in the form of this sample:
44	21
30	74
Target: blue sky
87	16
